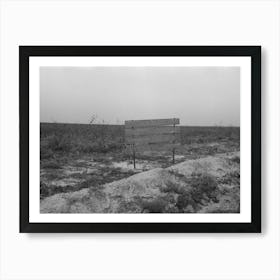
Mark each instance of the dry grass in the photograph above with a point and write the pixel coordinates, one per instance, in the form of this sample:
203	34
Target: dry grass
86	138
75	146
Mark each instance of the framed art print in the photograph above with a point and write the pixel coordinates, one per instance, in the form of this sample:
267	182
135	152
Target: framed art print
140	138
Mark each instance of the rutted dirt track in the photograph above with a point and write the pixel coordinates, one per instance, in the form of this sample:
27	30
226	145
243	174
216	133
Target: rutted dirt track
208	184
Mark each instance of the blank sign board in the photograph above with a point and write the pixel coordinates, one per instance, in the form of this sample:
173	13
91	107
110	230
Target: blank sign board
158	131
145	123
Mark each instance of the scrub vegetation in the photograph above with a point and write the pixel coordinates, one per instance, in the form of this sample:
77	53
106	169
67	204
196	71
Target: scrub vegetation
88	168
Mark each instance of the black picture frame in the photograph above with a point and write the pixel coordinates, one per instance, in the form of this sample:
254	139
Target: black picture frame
25	52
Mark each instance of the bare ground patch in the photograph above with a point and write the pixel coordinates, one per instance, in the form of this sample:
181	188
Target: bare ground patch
207	184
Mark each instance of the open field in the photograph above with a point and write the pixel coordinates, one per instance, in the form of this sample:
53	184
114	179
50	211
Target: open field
87	168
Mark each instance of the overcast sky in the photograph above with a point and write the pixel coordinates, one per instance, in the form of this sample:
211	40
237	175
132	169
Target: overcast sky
196	95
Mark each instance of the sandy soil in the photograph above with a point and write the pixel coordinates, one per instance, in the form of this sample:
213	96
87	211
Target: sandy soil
203	184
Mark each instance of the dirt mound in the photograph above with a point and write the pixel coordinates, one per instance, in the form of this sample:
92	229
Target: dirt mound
191	186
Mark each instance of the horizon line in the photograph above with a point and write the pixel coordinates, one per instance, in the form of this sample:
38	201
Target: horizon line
214	125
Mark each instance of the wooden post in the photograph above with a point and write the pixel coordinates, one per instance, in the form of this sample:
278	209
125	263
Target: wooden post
133	146
173	149
134	163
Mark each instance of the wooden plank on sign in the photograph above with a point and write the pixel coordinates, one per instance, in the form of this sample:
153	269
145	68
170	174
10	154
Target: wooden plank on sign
156	122
152	139
141	131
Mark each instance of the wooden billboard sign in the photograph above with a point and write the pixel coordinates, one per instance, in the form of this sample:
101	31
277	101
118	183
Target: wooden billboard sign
157	122
151	132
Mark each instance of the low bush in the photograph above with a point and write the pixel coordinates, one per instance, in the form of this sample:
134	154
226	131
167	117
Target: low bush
183	200
128	207
157	205
203	185
172	187
231	178
235	159
59	143
45	153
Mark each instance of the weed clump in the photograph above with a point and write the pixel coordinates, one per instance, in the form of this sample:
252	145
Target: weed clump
59	143
172	187
204	186
45	153
231	178
157	205
236	159
183	201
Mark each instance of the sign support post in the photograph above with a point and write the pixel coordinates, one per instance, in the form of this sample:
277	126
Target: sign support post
173	149
134	161
151	132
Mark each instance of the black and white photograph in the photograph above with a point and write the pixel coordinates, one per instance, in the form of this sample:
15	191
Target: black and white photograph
140	140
